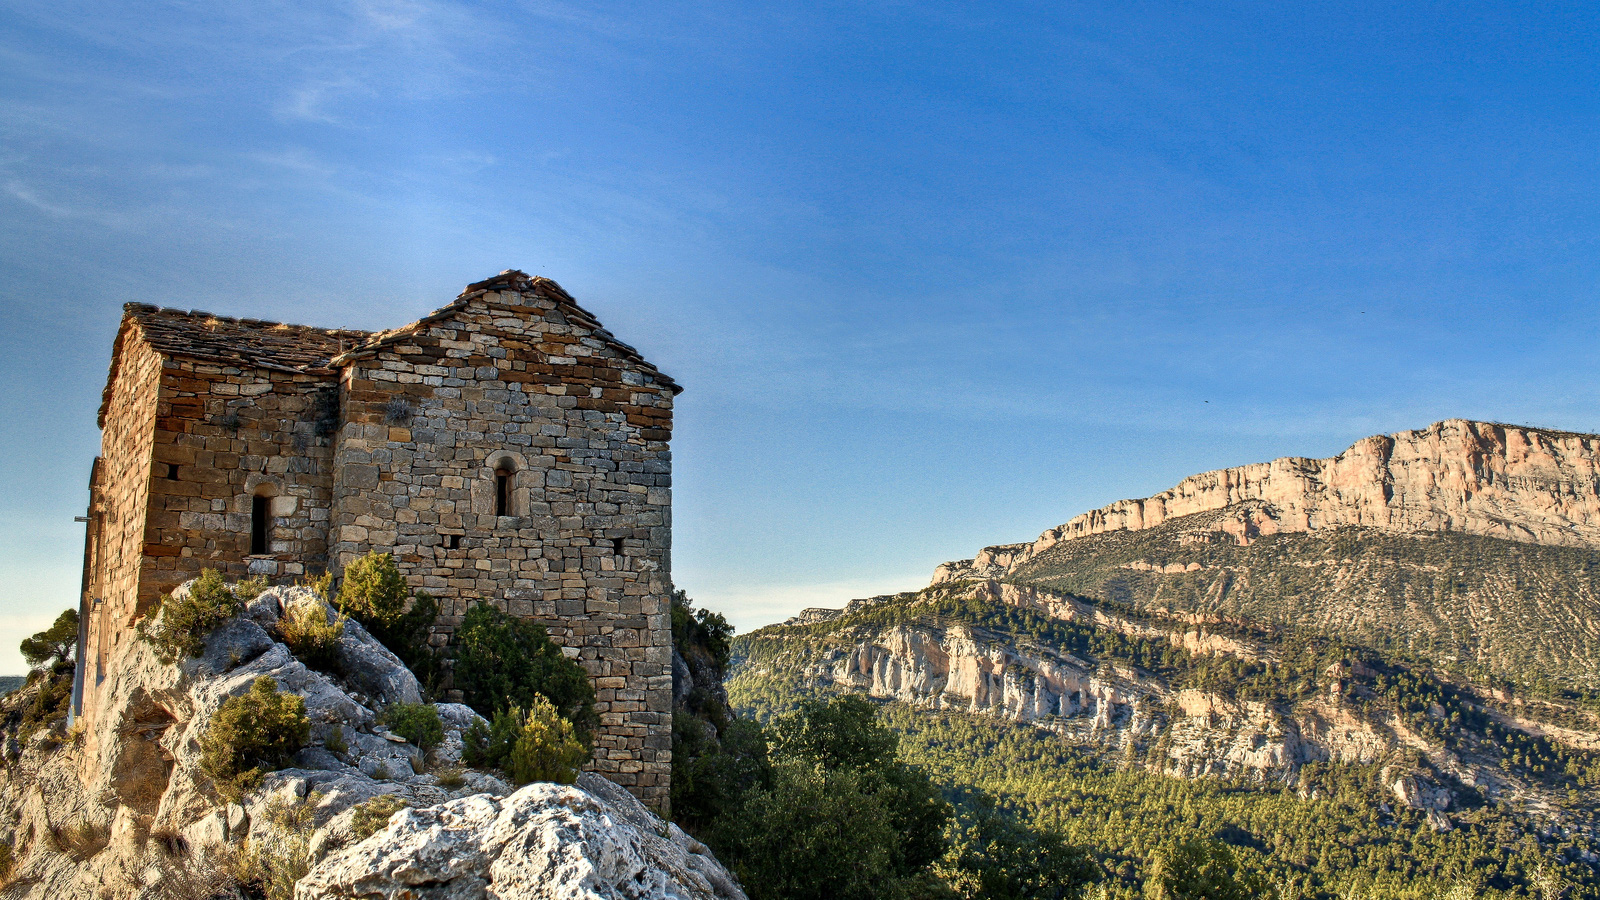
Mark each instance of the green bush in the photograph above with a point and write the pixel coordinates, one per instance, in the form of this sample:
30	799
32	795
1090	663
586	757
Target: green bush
502	662
373	590
373	815
56	642
815	835
488	746
701	627
416	722
546	748
311	636
537	745
45	700
179	629
252	734
712	773
374	594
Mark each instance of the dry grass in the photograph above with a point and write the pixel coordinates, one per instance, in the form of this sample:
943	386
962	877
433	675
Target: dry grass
80	841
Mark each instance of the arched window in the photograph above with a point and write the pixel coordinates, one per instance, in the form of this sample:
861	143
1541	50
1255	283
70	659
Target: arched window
260	518
505	476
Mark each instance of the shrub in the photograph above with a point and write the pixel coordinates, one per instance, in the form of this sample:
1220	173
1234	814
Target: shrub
836	815
252	734
416	722
373	589
503	662
546	748
250	588
375	595
488	746
56	642
179	629
310	635
373	815
335	742
993	857
702	628
45	700
537	745
713	773
169	842
450	779
815	835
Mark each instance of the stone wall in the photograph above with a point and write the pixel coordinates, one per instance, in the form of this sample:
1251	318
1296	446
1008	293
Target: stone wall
224	435
508	380
118	502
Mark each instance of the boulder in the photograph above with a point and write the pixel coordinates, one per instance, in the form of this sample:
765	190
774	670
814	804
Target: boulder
592	841
367	665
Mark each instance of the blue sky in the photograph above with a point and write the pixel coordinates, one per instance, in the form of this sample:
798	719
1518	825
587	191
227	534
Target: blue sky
934	275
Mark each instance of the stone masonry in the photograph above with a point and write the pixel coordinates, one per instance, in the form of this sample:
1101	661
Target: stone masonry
505	448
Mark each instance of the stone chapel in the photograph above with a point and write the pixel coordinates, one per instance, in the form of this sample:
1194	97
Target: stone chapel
505	448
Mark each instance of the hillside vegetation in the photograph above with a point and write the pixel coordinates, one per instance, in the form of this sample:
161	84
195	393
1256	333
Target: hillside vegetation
1523	612
1320	767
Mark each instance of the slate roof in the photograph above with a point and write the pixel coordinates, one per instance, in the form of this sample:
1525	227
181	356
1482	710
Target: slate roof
518	281
198	335
193	334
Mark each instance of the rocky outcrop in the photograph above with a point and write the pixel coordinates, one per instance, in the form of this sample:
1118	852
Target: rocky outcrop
127	811
1477	478
592	841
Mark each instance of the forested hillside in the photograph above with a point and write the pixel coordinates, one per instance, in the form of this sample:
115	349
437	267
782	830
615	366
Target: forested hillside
1319	766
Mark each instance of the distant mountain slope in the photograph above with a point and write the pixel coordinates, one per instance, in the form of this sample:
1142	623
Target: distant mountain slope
1524	612
1479	478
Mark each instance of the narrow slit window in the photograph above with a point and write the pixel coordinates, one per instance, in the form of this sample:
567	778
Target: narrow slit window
258	525
172	471
616	545
502	490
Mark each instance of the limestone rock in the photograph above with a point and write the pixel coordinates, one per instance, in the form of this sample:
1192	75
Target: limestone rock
544	841
1479	478
137	774
368	665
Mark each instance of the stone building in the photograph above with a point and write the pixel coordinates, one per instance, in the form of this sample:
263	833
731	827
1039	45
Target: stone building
505	448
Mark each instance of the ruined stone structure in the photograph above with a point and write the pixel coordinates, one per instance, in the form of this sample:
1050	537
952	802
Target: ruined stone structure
505	448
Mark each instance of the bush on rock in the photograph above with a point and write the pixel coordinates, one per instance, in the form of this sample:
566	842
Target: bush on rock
179	629
311	636
536	745
375	594
252	734
416	722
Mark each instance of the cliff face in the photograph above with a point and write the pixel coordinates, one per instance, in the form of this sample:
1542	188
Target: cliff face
1473	478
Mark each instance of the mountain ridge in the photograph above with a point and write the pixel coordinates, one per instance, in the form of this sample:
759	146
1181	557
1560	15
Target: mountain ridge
1533	485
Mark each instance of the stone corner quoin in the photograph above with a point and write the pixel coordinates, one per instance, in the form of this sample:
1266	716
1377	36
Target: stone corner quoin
505	448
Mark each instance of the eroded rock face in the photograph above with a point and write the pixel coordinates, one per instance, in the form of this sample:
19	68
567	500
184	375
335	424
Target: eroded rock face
1184	732
1469	477
592	841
